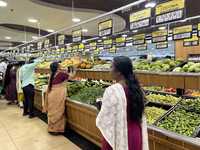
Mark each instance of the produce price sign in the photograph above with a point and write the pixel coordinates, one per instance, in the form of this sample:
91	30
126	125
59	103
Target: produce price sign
159	36
18	51
120	42
45	54
93	46
38	54
39	45
49	52
105	28
107	44
140	19
142	47
72	54
194	41
83	53
139	39
69	49
28	48
66	54
61	40
58	51
184	32
169	11
62	55
53	52
198	32
96	52
75	48
161	45
41	54
62	50
77	36
14	52
46	43
76	54
112	50
56	55
81	47
23	50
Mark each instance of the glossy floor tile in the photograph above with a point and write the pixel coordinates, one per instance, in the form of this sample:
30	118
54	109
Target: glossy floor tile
9	145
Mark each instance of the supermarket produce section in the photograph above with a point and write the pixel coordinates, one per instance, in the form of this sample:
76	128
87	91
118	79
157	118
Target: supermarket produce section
173	120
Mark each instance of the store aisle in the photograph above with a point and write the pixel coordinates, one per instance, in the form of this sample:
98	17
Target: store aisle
18	132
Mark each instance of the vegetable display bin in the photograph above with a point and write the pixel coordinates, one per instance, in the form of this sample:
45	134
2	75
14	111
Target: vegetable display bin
177	80
192	81
38	99
153	78
164	79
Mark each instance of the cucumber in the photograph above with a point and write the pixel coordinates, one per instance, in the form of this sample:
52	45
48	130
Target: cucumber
193	67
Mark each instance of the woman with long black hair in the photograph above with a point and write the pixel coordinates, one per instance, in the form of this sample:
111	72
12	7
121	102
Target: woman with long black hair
10	84
122	118
55	98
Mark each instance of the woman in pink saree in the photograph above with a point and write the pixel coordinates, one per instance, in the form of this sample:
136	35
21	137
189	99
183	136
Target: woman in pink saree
55	98
121	119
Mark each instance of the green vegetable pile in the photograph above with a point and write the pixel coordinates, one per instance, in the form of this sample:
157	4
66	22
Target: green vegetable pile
153	114
189	67
168	99
159	65
88	94
74	88
181	122
192	104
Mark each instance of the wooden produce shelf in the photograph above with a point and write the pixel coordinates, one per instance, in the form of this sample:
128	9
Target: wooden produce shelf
165	80
153	78
178	81
144	78
38	99
192	82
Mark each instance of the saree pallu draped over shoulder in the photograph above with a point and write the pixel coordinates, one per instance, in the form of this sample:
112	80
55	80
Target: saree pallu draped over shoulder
55	105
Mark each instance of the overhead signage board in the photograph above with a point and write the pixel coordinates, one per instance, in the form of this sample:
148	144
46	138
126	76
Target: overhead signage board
81	47
46	43
161	45
23	50
142	47
69	49
62	50
140	19
198	32
72	54
18	51
77	36
194	41
76	54
28	48
105	28
58	51
139	39
66	54
75	48
83	53
61	40
112	50
159	36
49	52
184	32
96	52
107	44
53	52
41	54
62	55
169	11
93	46
120	42
14	52
45	53
39	45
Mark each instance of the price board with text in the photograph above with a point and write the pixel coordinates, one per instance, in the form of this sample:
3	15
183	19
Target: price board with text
76	54
39	45
72	54
160	36
93	46
23	50
120	42
184	32
112	50
142	47
28	48
107	44
81	47
69	49
139	39
61	40
75	48
161	45
46	43
77	36
53	51
96	52
194	41
105	28
62	50
83	53
58	51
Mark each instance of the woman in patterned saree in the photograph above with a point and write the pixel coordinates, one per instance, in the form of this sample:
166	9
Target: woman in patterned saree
10	85
55	98
121	119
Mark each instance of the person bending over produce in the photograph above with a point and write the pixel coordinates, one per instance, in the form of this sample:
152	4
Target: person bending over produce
121	119
55	98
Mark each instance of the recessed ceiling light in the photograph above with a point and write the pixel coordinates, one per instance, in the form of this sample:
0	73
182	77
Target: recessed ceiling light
184	20
34	37
76	20
83	41
3	4
50	30
162	28
127	49
85	30
124	35
104	37
150	5
31	45
135	31
99	40
32	20
8	37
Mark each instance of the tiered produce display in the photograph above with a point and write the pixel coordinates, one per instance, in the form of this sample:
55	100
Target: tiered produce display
192	104
189	67
41	80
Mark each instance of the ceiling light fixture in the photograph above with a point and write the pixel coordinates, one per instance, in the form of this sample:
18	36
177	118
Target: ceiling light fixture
50	30
127	49
85	30
83	41
99	40
8	37
104	37
124	35
148	5
135	31
76	20
32	20
3	4
34	37
162	28
184	20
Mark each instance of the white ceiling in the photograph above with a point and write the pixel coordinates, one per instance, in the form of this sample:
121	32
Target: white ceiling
51	17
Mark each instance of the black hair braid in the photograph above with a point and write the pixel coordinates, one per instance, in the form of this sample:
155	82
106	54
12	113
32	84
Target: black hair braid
136	98
53	67
7	75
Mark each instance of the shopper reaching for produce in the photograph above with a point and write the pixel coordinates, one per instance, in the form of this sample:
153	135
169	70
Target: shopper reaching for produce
55	98
121	119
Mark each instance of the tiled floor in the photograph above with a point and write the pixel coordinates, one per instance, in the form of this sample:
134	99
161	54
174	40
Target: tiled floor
18	132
